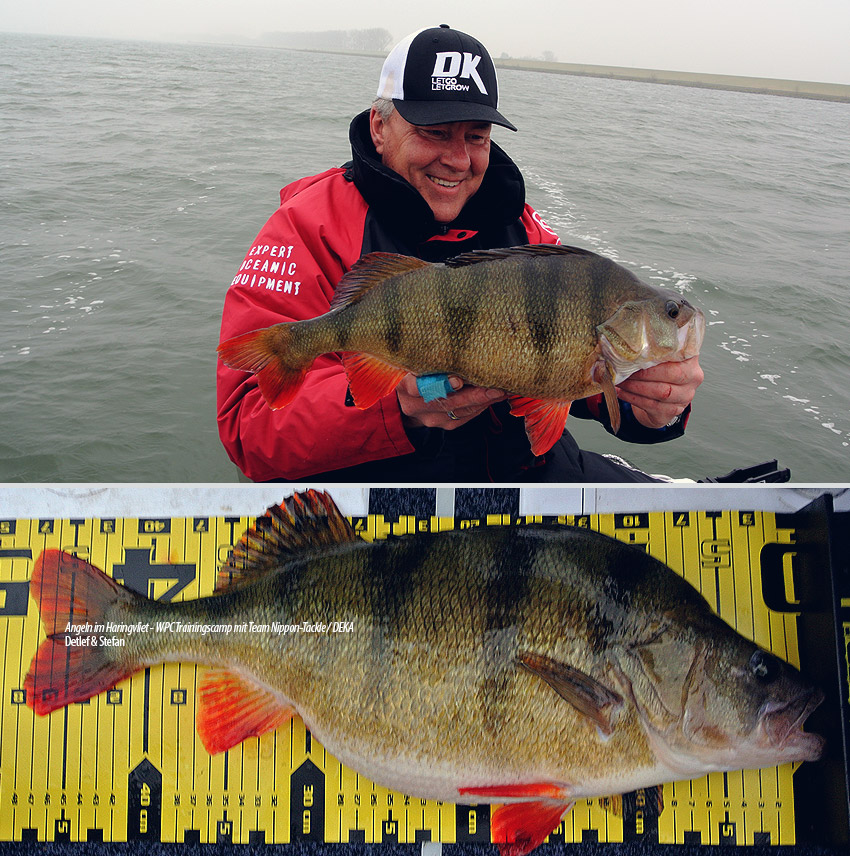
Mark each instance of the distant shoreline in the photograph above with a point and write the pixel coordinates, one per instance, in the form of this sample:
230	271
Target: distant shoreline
761	85
735	83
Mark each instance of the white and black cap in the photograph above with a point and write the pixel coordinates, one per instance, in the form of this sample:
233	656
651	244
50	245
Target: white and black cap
441	75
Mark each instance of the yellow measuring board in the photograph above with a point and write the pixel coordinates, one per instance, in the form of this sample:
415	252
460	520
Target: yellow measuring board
128	764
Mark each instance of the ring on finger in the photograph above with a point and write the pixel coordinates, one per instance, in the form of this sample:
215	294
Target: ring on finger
451	415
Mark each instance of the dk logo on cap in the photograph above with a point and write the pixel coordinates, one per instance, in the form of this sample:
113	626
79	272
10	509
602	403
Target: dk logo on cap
441	75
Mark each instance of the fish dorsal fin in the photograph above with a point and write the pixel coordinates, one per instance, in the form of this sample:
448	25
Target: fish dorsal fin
232	708
370	270
305	522
590	698
527	250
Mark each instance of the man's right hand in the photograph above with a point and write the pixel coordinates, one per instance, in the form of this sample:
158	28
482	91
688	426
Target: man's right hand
465	403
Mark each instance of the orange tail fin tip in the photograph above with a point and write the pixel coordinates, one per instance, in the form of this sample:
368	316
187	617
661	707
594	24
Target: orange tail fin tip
70	590
257	352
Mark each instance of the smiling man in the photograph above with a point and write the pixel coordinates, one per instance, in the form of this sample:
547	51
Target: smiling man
425	180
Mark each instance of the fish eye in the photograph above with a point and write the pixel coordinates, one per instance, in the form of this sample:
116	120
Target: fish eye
764	667
672	309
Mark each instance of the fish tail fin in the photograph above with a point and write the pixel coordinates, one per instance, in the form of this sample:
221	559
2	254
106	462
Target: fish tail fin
72	666
271	354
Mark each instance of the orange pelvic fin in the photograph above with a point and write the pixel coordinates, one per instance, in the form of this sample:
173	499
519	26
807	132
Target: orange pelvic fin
518	828
268	353
544	421
369	378
232	709
71	666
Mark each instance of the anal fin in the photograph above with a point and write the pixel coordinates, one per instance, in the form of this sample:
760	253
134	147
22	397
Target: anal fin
232	708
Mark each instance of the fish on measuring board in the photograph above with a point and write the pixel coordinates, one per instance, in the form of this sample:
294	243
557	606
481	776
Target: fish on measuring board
527	667
548	324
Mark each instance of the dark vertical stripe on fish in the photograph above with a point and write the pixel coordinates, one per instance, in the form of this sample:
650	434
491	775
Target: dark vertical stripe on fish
599	275
342	324
459	319
394	571
504	602
541	312
393	321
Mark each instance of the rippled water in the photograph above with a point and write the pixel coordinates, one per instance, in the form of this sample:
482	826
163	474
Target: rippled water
136	175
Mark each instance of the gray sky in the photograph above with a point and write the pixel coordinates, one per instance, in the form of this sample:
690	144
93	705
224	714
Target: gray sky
795	39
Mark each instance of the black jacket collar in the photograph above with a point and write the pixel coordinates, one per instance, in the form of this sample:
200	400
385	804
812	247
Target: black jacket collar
498	202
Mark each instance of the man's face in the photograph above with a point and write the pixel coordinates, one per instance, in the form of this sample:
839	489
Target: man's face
445	163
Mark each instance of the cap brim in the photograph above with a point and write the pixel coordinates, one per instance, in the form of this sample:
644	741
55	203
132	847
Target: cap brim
439	112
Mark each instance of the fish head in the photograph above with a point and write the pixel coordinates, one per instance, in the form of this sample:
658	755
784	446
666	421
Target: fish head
660	328
712	700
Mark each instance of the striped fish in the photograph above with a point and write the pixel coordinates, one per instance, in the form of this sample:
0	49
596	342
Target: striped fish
546	324
527	667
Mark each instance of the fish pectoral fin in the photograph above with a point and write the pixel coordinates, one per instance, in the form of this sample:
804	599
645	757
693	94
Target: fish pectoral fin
590	698
232	708
601	373
369	271
370	378
517	828
305	522
544	421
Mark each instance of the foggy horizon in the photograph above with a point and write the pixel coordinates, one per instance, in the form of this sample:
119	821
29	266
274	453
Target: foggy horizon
803	40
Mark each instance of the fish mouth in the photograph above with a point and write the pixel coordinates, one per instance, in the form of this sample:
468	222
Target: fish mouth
782	724
691	335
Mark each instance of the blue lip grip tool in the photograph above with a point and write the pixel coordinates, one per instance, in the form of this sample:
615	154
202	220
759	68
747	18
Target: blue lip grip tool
433	386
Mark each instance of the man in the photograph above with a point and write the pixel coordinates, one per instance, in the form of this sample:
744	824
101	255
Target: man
425	180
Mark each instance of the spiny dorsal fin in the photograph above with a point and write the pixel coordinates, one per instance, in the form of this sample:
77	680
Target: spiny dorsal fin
478	256
308	521
369	271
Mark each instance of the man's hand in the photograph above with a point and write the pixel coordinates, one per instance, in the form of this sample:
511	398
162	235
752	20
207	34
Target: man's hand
659	394
465	403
